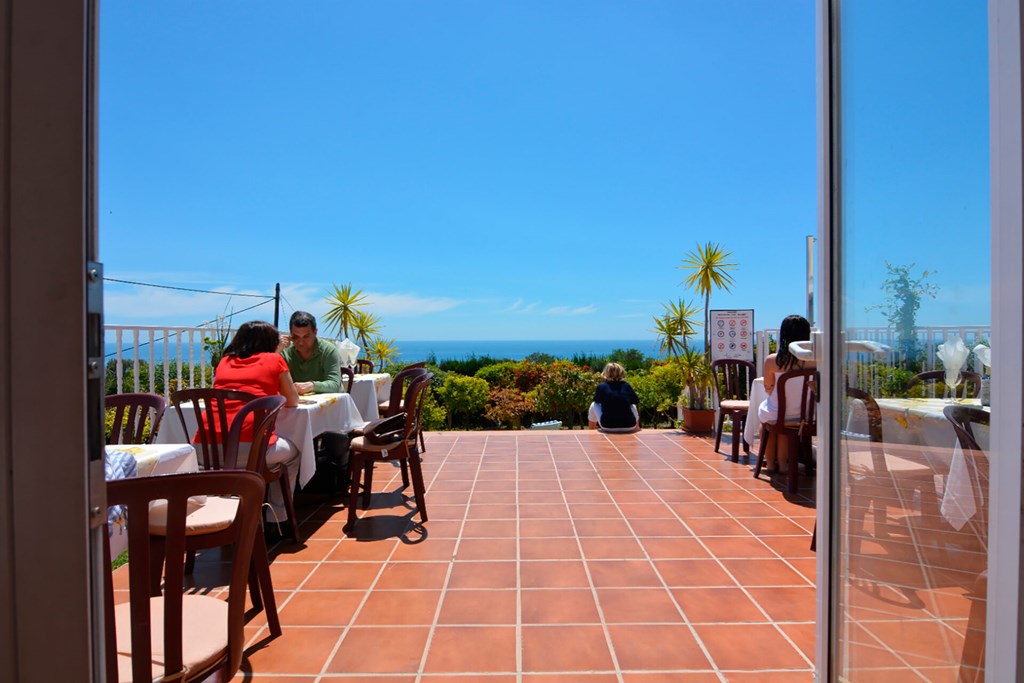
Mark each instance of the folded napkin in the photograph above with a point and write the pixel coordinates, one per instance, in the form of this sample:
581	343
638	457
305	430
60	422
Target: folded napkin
348	352
953	355
984	354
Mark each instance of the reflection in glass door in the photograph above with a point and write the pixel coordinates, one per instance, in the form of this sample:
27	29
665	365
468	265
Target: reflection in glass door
911	160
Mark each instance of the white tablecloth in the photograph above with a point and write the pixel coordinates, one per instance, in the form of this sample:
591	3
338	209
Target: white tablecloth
143	461
317	414
369	390
752	427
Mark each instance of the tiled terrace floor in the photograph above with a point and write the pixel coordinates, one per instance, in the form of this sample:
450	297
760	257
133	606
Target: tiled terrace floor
552	557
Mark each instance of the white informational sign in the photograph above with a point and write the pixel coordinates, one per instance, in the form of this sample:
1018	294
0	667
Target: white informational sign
732	334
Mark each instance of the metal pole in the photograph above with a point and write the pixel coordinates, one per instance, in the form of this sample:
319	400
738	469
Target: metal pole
810	279
277	304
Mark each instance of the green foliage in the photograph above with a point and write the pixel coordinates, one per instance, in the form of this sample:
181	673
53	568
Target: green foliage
903	294
463	396
470	364
499	375
633	360
528	375
128	380
508	406
434	416
709	270
658	391
343	304
108	427
120	560
696	372
566	391
541	358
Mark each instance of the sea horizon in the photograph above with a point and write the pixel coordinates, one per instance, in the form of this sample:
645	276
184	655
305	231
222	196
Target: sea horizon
412	351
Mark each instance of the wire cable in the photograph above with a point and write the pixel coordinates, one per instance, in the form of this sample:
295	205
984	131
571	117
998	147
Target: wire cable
182	289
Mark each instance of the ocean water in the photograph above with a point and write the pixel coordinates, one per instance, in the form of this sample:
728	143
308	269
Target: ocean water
413	350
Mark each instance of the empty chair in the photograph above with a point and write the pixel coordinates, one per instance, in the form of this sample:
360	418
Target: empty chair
131	414
968	387
364	366
399	384
792	435
732	380
348	377
175	636
390	439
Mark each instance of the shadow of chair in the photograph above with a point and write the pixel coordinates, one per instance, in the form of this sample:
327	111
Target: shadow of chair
732	380
393	438
173	635
795	387
131	413
933	377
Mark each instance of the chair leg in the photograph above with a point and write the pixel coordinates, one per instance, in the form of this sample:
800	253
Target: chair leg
262	568
355	466
367	484
289	503
760	451
736	431
417	486
718	429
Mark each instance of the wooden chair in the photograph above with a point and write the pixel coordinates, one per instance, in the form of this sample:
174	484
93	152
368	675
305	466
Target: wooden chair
175	636
879	479
131	412
795	433
393	405
387	439
732	380
364	366
964	419
210	406
347	372
939	377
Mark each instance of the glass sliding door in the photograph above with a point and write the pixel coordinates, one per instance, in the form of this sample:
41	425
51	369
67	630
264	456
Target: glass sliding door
911	232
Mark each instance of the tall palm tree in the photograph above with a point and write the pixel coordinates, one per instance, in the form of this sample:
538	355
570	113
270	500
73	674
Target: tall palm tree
344	302
708	268
681	315
383	350
365	325
668	336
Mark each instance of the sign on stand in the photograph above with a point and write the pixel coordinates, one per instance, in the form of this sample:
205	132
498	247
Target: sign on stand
732	335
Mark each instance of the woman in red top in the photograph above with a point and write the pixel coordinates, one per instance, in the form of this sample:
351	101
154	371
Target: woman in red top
251	364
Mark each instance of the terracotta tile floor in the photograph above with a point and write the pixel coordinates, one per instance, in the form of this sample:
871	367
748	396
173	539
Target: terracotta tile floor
551	557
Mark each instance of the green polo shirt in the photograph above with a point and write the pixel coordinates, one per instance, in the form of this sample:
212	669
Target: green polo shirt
323	368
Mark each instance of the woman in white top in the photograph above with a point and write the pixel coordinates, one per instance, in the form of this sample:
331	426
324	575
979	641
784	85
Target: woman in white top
793	328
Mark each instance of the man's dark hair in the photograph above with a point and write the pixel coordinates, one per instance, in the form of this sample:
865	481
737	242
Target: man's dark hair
302	319
252	338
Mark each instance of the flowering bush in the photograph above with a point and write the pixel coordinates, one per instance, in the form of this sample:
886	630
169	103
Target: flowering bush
508	406
566	391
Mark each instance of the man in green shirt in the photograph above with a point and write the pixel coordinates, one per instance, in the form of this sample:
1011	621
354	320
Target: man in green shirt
313	362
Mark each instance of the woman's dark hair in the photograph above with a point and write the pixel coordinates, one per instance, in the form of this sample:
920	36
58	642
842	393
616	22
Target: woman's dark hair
793	328
252	338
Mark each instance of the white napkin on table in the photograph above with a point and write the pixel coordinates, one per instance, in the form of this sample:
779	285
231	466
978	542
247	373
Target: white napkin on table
984	354
953	355
348	352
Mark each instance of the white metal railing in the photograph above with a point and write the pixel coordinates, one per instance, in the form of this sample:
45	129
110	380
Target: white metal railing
162	347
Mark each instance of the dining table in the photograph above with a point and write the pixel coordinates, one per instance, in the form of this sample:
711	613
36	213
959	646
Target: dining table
142	460
752	427
315	414
368	390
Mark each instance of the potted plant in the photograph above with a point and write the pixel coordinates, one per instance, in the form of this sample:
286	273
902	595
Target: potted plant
698	415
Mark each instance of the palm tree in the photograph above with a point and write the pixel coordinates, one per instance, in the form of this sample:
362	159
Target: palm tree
365	325
681	316
383	350
668	336
344	304
708	270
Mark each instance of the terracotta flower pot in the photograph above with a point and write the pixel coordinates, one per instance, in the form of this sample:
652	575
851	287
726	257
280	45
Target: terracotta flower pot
698	421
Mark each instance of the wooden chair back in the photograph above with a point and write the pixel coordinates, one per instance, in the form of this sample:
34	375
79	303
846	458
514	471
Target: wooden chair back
733	378
348	377
967	378
964	419
131	412
399	389
210	406
263	412
364	366
130	628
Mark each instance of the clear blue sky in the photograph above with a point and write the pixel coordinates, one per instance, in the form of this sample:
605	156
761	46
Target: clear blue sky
483	170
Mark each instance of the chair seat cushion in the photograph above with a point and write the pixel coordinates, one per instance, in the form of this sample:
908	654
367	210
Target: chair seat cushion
735	405
216	514
205	625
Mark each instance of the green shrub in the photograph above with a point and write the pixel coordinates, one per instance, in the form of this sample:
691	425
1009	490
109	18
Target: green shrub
498	376
658	391
463	396
527	375
566	391
109	425
470	365
434	416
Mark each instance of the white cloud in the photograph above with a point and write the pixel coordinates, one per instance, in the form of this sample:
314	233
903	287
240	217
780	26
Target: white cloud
409	304
568	310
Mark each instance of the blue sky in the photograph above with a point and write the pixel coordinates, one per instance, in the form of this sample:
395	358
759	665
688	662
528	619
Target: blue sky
483	170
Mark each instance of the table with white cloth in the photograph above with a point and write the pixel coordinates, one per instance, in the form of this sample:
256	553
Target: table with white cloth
125	462
921	422
316	414
752	427
368	390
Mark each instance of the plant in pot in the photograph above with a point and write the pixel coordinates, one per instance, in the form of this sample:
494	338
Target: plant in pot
698	415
